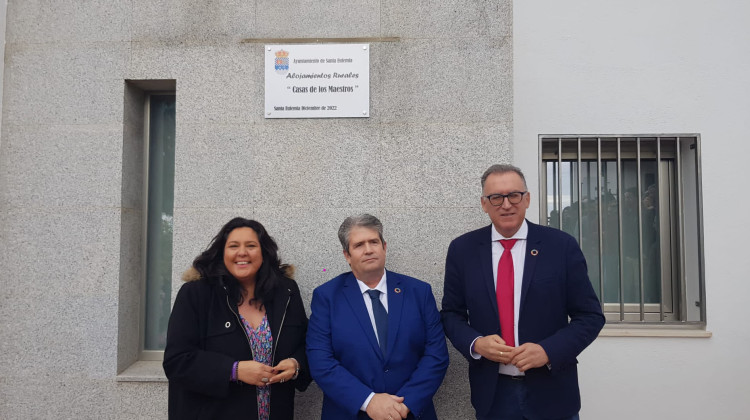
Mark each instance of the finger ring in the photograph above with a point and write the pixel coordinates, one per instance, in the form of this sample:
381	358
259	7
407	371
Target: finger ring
501	354
264	380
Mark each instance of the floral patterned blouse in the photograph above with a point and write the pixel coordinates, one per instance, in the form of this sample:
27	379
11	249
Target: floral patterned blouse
261	342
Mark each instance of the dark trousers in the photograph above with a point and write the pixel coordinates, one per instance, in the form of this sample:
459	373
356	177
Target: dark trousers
508	402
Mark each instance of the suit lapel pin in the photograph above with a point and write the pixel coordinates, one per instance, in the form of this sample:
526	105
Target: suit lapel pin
534	252
397	290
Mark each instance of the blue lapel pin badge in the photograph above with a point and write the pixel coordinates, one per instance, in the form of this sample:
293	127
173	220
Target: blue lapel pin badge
397	290
534	252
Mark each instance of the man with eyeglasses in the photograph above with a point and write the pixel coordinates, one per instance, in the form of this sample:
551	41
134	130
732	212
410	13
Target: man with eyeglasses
518	304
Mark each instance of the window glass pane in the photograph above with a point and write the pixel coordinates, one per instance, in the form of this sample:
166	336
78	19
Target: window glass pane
562	192
630	253
590	221
569	200
570	193
569	197
590	218
650	232
610	233
159	225
553	201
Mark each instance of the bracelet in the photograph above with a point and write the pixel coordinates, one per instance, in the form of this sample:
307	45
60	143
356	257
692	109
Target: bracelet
235	367
296	368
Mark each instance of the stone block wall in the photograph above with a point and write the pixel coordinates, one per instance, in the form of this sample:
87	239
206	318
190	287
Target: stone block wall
71	185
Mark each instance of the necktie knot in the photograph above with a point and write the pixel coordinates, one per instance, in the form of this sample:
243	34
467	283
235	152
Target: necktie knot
508	243
374	294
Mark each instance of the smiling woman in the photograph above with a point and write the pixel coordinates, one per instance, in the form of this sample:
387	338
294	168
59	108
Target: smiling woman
226	327
243	256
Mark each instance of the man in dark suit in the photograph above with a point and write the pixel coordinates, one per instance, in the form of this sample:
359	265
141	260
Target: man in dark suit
521	352
375	342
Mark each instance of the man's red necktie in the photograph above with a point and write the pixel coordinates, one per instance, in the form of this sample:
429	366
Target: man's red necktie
504	292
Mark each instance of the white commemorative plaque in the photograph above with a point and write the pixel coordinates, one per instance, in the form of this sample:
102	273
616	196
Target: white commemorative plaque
317	81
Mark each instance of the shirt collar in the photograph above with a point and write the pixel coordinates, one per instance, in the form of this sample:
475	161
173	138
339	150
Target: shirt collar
523	231
382	285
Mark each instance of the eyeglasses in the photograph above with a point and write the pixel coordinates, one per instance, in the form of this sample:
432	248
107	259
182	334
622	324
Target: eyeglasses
514	197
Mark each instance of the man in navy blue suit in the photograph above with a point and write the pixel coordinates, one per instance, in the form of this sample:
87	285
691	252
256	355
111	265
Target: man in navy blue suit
522	352
375	343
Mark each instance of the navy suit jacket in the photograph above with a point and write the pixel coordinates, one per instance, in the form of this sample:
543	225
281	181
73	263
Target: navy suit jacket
346	361
559	310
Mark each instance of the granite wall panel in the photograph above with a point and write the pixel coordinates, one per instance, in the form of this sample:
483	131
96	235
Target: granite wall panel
192	20
216	158
446	19
447	79
71	186
69	22
61	165
313	19
64	83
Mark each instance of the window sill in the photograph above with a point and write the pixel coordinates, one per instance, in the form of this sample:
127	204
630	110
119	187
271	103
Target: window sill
618	331
143	371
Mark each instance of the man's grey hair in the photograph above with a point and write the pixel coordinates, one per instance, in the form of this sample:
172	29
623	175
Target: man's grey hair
362	220
502	169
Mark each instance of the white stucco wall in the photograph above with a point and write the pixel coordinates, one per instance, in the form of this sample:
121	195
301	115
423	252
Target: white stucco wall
589	67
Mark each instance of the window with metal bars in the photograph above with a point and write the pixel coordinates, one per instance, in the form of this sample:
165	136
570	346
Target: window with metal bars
634	205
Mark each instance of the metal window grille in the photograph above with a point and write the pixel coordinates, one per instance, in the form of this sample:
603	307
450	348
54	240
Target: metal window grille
633	202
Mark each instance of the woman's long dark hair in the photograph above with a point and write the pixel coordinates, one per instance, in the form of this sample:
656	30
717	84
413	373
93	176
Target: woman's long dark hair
210	263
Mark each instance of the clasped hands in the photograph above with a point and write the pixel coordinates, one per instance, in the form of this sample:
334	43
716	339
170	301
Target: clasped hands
387	407
524	357
258	374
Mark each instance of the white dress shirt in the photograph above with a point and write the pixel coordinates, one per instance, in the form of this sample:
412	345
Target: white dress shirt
518	252
383	288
